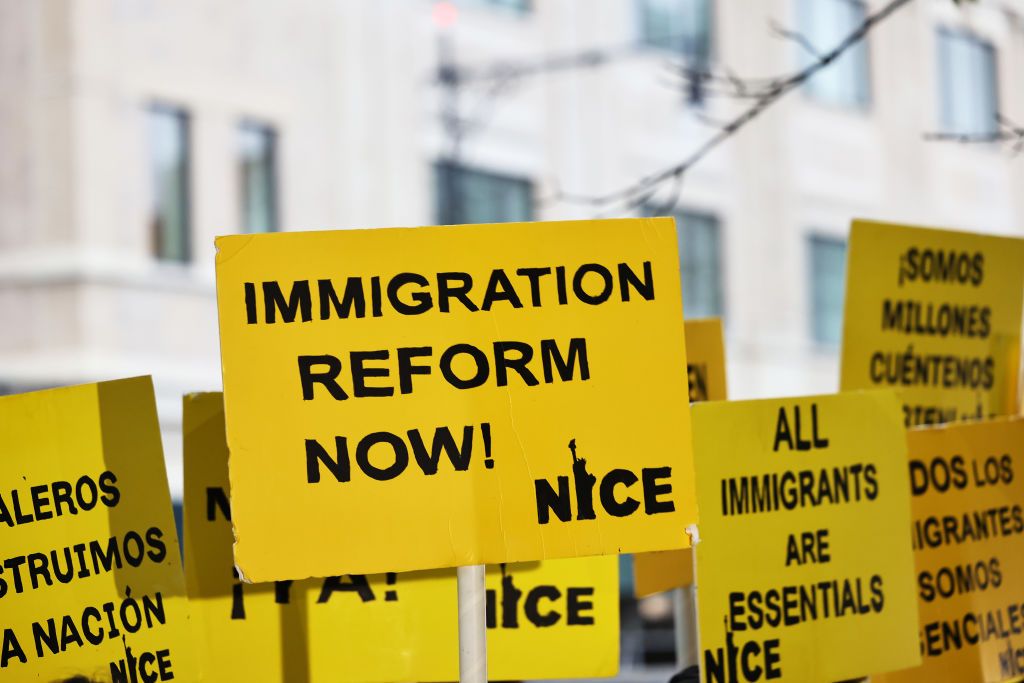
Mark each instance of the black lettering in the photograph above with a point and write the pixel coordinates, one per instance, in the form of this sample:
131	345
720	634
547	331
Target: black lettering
316	455
628	278
327	378
576	605
422	301
353	298
608	484
548	501
652	489
360	372
401	453
531	607
552	359
350	583
299	302
217	499
502	362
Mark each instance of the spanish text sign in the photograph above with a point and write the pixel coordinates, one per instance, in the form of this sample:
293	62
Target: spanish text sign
91	583
804	566
705	372
384	627
937	314
968	533
406	399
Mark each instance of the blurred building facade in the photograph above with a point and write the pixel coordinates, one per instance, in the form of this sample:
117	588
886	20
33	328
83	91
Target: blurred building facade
134	131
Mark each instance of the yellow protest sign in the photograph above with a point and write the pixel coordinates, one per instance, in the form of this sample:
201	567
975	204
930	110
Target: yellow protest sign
802	572
350	628
553	619
968	536
545	619
936	314
404	399
705	371
91	580
705	359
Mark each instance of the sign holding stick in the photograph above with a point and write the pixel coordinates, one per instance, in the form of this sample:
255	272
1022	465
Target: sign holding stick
937	315
91	582
434	397
472	624
802	550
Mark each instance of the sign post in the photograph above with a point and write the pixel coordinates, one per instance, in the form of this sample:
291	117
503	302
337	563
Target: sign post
672	570
684	621
472	624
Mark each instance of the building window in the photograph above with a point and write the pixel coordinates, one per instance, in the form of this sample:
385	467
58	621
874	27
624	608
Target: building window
968	95
169	148
258	174
846	82
828	277
517	6
467	195
700	262
681	26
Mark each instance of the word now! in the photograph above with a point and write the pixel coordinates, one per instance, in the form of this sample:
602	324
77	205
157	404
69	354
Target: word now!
396	458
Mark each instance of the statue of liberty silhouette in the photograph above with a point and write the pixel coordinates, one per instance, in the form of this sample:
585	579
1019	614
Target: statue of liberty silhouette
584	482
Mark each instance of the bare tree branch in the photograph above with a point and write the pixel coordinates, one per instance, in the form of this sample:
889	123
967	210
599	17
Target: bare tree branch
772	93
798	38
1005	131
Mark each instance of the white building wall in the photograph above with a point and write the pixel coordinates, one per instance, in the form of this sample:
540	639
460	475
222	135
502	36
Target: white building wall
348	86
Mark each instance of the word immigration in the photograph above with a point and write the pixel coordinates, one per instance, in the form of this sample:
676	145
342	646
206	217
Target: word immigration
414	294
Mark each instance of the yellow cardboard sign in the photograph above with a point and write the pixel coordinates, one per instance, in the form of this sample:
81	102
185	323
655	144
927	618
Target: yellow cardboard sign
405	399
90	573
937	314
390	627
350	628
802	571
705	371
968	533
553	619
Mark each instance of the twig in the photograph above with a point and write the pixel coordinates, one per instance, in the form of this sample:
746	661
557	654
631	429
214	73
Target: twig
1005	131
798	38
772	94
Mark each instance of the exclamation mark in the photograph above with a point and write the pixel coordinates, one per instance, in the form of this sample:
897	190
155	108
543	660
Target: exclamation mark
485	431
389	579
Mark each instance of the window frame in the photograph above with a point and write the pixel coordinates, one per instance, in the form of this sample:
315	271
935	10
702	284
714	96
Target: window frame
524	9
183	115
441	167
640	8
865	106
810	239
250	125
951	32
679	215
